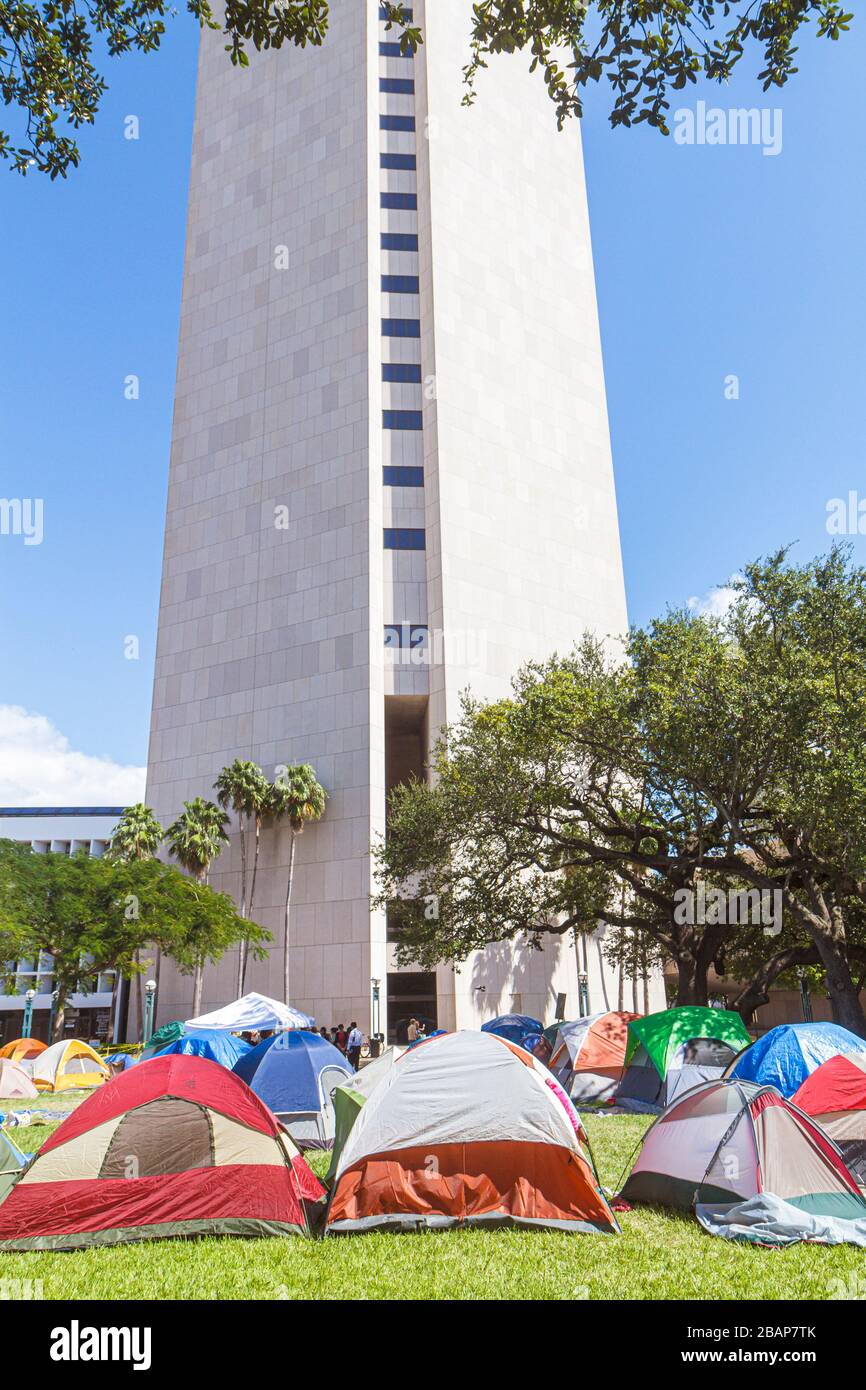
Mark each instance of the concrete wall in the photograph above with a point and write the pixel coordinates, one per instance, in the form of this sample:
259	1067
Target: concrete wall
270	633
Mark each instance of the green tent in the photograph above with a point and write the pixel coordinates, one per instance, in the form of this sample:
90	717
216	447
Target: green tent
349	1099
12	1162
662	1034
670	1052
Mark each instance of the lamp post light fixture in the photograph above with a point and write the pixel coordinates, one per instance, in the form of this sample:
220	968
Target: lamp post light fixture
149	999
28	1013
375	986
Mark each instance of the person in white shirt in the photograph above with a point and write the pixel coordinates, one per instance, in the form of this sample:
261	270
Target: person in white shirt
354	1045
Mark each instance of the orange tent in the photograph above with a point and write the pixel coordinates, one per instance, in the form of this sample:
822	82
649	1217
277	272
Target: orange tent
22	1049
467	1129
588	1056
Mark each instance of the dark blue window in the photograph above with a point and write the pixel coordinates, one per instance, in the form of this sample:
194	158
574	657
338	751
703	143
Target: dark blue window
396	122
393	50
401	371
397	161
399	86
402	476
401	328
399	241
399	284
407	14
402	420
397	538
401	202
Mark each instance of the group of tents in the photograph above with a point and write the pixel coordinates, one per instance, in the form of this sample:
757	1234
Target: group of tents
764	1141
28	1066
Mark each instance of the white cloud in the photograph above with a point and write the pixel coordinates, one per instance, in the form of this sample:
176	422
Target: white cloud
716	601
38	767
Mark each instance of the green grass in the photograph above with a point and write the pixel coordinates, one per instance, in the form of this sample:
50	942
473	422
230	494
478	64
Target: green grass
658	1256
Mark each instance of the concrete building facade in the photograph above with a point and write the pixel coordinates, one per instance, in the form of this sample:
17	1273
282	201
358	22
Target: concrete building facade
390	475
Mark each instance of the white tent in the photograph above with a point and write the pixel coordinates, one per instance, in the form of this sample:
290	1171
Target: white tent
252	1014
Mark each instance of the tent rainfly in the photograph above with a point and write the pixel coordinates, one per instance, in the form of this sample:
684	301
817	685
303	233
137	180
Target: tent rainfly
467	1129
252	1014
515	1027
176	1147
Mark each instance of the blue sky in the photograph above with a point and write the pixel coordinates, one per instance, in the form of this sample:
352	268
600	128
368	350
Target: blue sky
710	261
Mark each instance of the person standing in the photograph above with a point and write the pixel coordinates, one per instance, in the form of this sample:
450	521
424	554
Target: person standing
412	1030
353	1045
340	1037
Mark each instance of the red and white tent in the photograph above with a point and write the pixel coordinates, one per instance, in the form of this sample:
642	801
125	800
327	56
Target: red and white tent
467	1129
177	1146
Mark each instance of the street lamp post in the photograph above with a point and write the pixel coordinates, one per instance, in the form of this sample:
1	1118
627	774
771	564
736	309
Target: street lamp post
374	1012
149	993
583	985
28	1013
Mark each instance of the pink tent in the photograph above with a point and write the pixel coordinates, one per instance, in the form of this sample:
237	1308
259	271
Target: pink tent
14	1081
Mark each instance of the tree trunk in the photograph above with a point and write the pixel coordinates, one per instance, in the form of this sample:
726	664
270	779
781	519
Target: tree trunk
844	999
59	1013
691	981
242	948
756	992
197	986
139	1003
286	936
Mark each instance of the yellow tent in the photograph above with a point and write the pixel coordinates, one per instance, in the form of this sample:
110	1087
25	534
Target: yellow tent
68	1064
22	1049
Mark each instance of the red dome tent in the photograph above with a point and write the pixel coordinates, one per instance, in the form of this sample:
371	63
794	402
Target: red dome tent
177	1146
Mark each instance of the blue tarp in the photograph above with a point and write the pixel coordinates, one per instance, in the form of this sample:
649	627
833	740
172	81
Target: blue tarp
284	1070
211	1043
768	1220
786	1055
128	1061
514	1027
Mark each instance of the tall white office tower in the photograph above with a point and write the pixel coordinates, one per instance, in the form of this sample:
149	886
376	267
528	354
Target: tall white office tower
390	473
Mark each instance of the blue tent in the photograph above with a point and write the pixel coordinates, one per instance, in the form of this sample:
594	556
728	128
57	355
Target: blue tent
786	1055
514	1027
295	1074
211	1043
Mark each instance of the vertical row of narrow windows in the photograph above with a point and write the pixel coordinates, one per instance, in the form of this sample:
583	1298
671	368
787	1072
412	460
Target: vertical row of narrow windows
398	195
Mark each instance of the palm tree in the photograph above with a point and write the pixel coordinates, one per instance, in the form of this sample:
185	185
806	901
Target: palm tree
137	835
195	839
297	797
245	789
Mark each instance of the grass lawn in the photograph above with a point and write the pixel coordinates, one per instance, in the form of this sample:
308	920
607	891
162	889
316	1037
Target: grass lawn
658	1256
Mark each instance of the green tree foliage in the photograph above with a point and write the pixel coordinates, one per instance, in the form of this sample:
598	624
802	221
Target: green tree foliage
94	915
51	52
722	753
